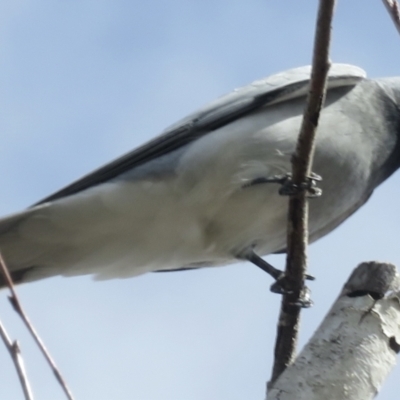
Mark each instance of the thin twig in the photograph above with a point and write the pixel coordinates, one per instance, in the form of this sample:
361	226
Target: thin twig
18	308
394	11
15	353
297	231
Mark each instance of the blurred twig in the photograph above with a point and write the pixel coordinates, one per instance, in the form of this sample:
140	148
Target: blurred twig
15	353
394	11
297	231
18	308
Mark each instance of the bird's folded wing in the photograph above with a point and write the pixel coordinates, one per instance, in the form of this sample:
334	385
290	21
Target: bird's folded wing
272	90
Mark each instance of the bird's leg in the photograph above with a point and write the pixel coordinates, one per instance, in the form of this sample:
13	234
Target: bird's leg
251	256
288	188
282	283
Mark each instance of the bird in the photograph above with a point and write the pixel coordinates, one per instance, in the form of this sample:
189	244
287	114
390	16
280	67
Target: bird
205	192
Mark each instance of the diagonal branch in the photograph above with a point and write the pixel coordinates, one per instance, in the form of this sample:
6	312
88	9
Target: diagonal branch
297	230
394	11
18	308
15	353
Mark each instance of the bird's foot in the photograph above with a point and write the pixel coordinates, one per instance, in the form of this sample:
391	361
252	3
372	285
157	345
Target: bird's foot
288	188
282	284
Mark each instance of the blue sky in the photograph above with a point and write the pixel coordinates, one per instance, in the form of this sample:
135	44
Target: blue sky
81	83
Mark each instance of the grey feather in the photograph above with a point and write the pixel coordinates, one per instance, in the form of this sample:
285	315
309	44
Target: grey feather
275	89
183	200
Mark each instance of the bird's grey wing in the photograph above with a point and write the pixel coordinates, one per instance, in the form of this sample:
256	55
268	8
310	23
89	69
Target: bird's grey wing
274	89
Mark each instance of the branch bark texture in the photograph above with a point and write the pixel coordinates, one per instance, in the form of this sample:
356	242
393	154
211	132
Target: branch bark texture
355	347
297	237
394	11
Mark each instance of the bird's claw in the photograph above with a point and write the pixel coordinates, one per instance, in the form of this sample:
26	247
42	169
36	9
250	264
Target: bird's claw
282	286
288	188
304	300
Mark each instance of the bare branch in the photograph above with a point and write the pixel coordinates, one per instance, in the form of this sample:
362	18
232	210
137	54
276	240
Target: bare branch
297	231
355	348
15	353
18	308
394	11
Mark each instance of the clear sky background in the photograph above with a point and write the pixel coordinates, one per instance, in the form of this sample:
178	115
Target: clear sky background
82	82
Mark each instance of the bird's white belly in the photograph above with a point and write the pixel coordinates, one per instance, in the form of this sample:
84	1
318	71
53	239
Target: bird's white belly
201	214
126	229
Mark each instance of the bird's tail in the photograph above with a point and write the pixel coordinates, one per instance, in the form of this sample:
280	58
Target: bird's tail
21	253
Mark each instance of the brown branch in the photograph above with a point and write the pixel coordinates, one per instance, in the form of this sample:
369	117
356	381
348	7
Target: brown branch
394	11
15	353
18	308
297	229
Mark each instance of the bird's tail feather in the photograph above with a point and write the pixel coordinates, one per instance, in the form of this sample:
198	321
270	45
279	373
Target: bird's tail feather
19	253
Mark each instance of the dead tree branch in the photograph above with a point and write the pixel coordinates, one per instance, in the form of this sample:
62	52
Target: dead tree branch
15	353
355	348
394	11
297	231
18	308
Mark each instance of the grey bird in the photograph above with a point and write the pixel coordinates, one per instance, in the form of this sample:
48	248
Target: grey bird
204	192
